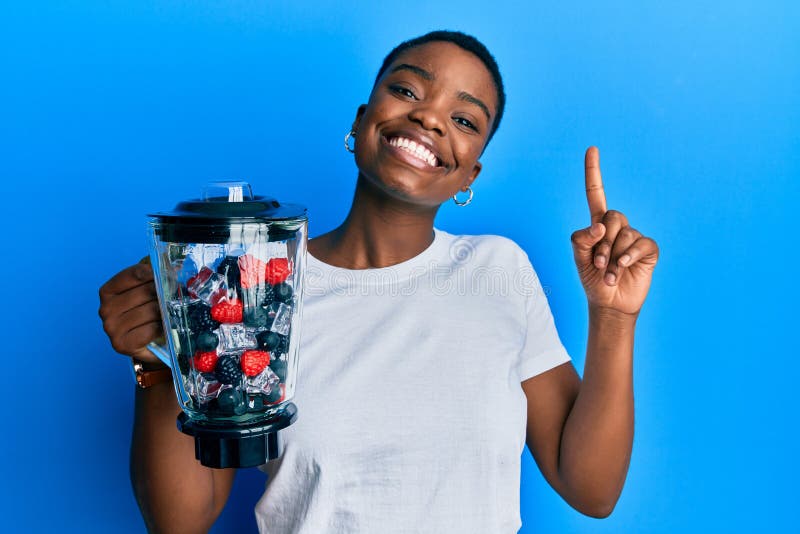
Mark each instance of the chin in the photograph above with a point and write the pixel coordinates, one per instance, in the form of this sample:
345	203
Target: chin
403	186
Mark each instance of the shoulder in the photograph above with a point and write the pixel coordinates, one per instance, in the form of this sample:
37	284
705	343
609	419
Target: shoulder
484	249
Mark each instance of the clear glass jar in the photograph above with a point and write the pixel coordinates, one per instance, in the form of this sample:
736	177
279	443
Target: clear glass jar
229	275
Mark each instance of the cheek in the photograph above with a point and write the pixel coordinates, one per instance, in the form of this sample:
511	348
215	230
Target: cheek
468	153
377	111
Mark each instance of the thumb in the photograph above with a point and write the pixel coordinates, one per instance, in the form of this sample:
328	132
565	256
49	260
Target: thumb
583	241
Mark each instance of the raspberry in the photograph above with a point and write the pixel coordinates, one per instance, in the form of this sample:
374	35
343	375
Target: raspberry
204	361
227	370
252	270
278	270
254	361
227	311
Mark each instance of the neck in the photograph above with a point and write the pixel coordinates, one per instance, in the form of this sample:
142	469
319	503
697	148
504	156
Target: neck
379	231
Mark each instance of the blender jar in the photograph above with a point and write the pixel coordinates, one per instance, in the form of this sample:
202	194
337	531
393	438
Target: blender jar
229	275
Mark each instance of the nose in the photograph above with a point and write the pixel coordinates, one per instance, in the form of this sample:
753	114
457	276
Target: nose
429	117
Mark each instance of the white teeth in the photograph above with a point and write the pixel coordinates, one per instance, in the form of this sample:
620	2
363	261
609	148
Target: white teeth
417	150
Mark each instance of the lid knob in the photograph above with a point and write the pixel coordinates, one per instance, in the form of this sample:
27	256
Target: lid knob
227	191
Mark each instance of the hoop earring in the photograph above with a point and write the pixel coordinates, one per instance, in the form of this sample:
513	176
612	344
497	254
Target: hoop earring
351	133
466	201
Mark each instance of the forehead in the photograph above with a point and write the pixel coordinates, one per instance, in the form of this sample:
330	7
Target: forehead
454	68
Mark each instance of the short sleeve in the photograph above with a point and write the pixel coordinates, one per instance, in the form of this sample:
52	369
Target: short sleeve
542	349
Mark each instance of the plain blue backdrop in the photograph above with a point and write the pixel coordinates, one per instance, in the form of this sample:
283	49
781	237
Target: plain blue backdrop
111	109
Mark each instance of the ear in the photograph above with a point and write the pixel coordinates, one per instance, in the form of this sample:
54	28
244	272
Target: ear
359	113
476	170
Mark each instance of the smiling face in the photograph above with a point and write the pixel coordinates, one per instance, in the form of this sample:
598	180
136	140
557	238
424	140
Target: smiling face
426	123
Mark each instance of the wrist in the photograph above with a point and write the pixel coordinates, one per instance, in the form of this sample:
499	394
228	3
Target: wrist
610	317
149	374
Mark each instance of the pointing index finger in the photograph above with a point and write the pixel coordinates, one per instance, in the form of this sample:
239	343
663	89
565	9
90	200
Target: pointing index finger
594	185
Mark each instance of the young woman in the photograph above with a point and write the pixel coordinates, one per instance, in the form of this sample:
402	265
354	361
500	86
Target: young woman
428	360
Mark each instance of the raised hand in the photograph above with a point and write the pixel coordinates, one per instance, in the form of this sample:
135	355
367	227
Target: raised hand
615	262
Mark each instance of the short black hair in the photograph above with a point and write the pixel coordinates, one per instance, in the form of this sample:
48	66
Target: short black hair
466	42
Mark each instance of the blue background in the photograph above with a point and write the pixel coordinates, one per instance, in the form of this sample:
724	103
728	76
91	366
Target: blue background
112	109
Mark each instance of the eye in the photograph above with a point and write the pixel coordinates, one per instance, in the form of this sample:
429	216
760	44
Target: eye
466	122
400	90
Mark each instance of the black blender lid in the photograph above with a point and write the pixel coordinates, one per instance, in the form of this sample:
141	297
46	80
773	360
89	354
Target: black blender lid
230	201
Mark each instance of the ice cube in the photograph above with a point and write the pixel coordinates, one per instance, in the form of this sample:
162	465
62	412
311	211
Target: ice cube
236	337
183	266
283	318
205	253
207	286
204	387
189	386
264	382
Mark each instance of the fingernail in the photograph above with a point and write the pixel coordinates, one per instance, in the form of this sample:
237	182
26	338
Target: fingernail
600	261
611	278
624	259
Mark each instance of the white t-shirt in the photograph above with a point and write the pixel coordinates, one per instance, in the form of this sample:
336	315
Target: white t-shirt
411	417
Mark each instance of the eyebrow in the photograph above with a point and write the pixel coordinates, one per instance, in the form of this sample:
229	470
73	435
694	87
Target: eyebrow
466	97
425	75
422	73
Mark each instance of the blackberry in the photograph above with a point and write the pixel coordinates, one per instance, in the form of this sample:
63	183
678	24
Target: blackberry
199	315
228	371
283	292
229	268
267	295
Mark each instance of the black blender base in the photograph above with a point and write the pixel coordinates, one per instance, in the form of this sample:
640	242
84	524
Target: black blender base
238	446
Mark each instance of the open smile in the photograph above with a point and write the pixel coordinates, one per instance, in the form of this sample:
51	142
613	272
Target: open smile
413	151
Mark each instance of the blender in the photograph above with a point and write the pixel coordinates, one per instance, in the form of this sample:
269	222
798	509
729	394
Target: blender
229	275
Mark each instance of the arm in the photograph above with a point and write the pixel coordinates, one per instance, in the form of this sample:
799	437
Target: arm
174	491
581	433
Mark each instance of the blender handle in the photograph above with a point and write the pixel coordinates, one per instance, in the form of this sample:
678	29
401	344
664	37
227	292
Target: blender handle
161	352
